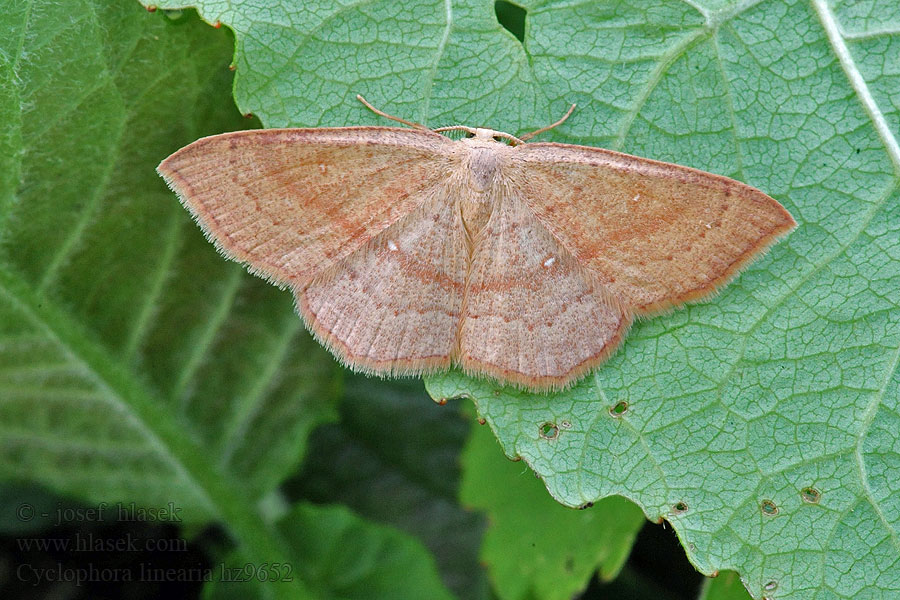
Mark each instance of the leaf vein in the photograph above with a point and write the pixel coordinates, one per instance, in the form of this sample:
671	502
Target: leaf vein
180	391
858	83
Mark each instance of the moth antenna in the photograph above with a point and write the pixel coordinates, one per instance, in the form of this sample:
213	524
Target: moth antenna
391	117
455	128
528	136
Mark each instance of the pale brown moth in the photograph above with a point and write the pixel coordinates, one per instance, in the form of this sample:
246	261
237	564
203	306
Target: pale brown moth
409	252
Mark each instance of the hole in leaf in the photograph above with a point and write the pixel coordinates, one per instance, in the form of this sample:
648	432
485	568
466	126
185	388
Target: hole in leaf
680	507
769	508
565	425
512	18
771	586
810	495
549	431
619	409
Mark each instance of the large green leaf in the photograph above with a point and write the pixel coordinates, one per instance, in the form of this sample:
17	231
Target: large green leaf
135	364
763	424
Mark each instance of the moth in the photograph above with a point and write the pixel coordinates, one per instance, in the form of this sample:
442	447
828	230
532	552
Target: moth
409	252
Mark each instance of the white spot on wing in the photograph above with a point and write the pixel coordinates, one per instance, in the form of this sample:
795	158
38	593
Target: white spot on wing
549	262
392	246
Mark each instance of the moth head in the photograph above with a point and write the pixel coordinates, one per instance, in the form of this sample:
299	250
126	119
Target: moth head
477	134
491	135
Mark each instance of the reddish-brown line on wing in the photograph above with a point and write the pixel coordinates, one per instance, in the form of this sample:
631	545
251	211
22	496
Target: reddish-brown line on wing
335	212
733	269
614	160
212	225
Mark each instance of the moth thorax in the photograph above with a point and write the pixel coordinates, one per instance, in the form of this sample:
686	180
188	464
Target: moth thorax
484	166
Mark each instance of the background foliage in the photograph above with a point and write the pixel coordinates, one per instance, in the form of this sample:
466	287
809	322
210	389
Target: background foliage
138	366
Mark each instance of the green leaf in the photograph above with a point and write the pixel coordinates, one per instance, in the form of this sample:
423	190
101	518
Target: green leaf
394	458
533	547
348	556
762	424
363	560
741	410
727	586
135	364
